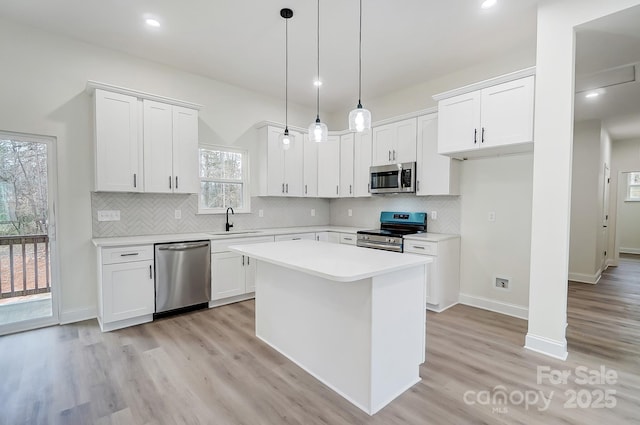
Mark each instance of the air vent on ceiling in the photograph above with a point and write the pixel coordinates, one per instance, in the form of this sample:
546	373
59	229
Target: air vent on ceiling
606	78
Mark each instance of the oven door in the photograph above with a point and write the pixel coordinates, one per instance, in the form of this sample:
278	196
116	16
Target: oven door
395	178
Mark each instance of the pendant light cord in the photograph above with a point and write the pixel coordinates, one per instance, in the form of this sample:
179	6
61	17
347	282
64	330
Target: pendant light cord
360	60
286	75
318	86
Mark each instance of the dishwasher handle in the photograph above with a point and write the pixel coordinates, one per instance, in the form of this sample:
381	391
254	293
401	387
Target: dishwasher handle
183	246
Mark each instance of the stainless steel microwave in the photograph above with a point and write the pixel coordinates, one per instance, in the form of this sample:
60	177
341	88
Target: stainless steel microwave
395	178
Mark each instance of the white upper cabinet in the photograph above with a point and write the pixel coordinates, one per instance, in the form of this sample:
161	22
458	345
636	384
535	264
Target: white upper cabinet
170	148
497	118
329	168
436	174
346	165
144	142
118	150
361	163
310	168
395	143
280	172
185	150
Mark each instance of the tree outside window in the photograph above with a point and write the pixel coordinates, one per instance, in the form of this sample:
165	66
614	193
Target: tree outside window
223	180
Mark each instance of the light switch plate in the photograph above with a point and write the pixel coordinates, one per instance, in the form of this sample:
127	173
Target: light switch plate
492	216
350	212
313	212
177	214
260	213
434	215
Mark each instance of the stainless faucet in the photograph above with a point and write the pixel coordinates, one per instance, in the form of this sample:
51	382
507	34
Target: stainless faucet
229	225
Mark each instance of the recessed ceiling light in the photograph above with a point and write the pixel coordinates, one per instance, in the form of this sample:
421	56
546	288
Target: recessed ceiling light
152	22
486	4
592	94
317	83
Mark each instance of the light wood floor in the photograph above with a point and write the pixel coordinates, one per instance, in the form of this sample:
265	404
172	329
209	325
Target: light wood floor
207	367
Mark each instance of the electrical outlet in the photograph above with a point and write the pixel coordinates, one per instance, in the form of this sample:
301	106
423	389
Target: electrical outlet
260	213
177	214
350	212
109	215
313	212
434	215
501	283
492	216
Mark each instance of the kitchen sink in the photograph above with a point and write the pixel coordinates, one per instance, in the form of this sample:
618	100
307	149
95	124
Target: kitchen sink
234	232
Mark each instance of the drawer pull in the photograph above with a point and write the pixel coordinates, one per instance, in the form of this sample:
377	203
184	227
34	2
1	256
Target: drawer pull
296	239
131	254
418	247
348	239
150	273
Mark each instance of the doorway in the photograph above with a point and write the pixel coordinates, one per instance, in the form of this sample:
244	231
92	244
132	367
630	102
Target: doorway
28	295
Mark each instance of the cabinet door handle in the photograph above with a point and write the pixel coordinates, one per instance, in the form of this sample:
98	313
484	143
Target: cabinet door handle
176	182
248	261
317	237
131	254
337	190
475	136
150	273
350	189
394	155
369	187
482	140
389	155
417	185
282	187
287	185
169	182
305	189
243	261
135	183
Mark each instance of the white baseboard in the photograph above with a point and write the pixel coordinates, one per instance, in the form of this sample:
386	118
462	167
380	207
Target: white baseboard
546	346
492	305
612	263
629	250
586	278
77	315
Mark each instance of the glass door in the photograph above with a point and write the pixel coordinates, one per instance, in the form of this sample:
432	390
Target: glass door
27	232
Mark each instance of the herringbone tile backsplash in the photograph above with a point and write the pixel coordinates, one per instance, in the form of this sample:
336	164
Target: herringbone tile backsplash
147	214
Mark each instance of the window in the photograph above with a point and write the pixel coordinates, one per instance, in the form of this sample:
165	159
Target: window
633	187
223	180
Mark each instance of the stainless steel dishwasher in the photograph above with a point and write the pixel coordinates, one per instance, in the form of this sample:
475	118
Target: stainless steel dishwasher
183	275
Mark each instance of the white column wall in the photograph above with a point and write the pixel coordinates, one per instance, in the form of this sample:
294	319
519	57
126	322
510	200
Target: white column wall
552	167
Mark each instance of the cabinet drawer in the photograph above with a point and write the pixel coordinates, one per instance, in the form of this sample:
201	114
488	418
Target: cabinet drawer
223	245
296	237
127	254
420	247
348	238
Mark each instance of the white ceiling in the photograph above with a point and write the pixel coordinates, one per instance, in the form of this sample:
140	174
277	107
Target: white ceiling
242	42
603	44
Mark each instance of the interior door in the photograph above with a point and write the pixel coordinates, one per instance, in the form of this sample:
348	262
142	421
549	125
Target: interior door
605	214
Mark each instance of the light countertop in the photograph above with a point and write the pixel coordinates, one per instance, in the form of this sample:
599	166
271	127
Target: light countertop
216	235
337	262
430	237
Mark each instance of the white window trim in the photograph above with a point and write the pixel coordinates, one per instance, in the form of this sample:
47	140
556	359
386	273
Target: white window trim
628	198
246	192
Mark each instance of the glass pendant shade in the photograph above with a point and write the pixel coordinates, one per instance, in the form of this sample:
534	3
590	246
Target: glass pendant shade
286	140
359	119
318	131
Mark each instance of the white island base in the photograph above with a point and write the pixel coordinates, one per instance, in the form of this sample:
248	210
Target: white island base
364	338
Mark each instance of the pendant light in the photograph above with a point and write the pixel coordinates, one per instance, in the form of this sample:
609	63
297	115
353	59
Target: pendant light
286	139
360	118
318	130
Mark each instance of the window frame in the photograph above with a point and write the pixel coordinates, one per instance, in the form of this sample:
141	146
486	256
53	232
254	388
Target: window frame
628	197
246	193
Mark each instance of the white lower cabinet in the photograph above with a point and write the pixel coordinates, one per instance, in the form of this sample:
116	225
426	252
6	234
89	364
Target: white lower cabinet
232	274
443	274
126	294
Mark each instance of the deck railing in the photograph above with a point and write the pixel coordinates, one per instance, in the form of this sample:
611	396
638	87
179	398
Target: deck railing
24	265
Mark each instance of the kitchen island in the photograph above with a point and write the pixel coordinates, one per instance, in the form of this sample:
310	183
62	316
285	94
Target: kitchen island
352	317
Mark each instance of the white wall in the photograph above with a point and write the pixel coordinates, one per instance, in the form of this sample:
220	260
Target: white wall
500	248
591	151
43	92
625	157
552	166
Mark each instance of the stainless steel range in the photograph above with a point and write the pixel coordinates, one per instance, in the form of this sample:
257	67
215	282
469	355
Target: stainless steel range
393	227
